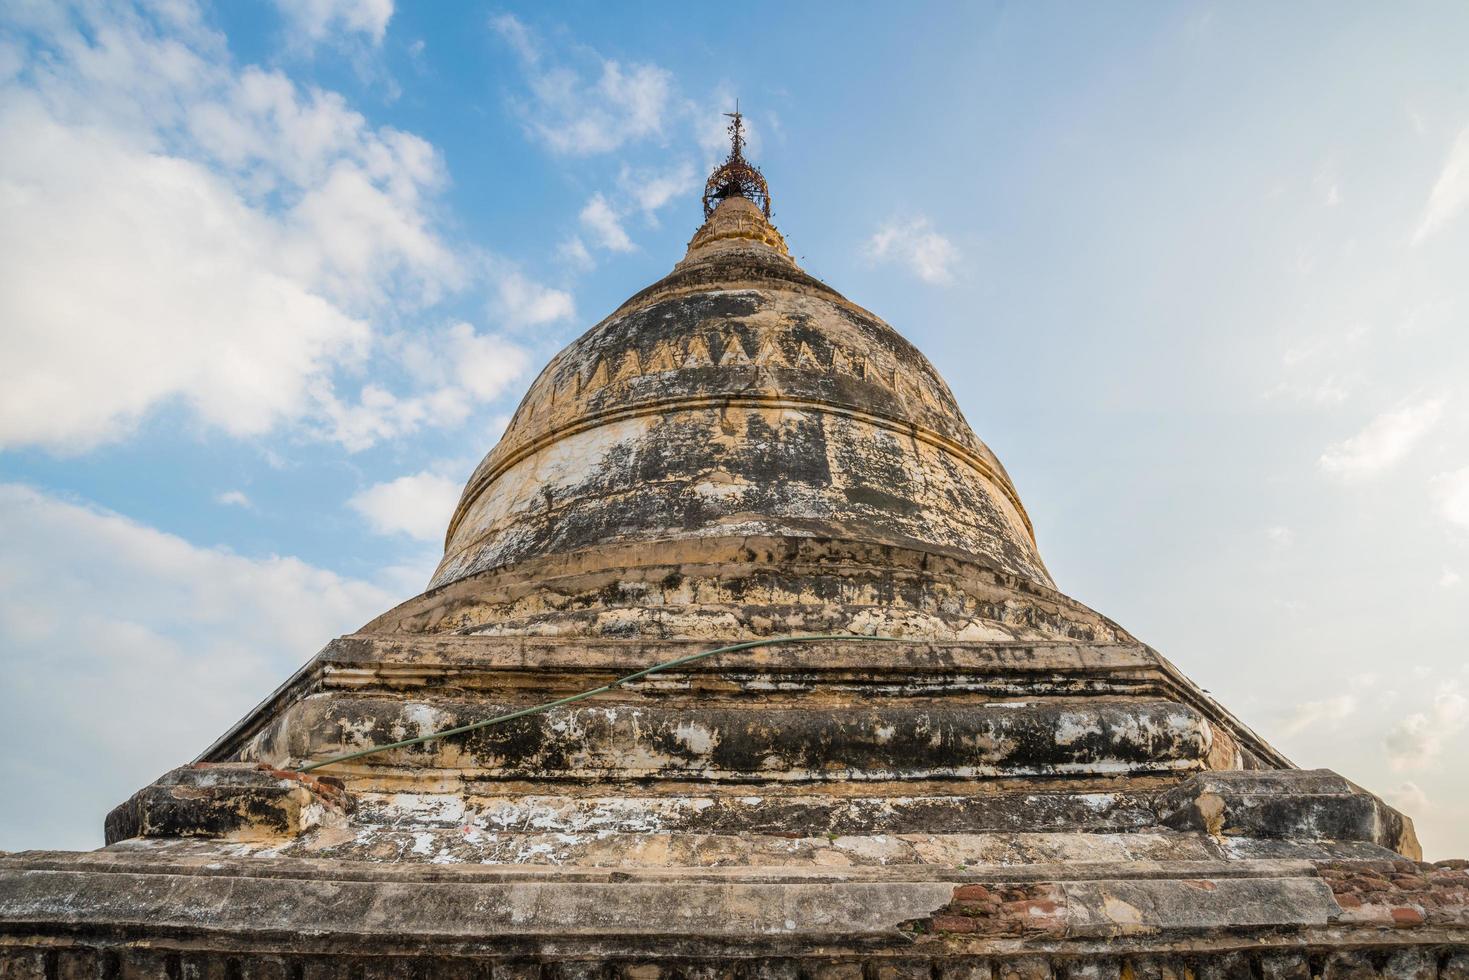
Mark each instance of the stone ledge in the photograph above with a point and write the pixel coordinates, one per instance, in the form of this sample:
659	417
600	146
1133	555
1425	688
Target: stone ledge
242	898
236	800
699	809
618	738
394	663
1119	907
203	859
77	958
912	657
1037	923
1299	804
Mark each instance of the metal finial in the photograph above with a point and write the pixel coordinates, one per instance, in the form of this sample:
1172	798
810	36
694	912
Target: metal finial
736	132
736	177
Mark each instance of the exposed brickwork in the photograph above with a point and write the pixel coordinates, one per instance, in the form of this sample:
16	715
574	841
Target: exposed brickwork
1404	894
1001	910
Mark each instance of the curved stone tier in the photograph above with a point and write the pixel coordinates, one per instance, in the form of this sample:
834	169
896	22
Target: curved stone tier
728	587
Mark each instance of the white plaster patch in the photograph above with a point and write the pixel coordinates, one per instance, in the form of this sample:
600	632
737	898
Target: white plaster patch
697	738
1072	727
425	808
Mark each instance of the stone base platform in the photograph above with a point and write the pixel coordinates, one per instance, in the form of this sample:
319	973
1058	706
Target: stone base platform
157	910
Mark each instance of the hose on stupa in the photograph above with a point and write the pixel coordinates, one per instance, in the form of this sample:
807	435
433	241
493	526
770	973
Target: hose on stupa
769	641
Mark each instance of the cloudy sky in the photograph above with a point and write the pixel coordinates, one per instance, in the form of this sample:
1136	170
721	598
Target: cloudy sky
274	275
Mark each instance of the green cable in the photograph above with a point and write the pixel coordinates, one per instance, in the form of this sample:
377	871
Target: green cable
526	712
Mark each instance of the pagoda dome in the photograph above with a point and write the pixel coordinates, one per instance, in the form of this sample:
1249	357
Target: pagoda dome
739	449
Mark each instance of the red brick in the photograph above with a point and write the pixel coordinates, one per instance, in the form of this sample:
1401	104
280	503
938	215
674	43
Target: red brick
972	893
1406	917
954	923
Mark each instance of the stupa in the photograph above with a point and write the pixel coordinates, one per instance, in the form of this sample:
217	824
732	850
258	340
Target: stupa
1005	786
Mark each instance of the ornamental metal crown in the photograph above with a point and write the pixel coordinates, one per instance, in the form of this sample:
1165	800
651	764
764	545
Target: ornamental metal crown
736	176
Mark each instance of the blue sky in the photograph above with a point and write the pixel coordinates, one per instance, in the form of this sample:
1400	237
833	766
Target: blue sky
276	275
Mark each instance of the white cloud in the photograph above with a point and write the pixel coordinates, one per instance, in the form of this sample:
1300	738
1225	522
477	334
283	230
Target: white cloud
454	369
1449	578
378	414
419	505
1383	442
518	36
1323	369
646	192
483	364
580	112
177	231
134	649
574	253
136	278
651	190
526	303
1417	740
914	244
317	20
1408	798
1450	192
1451	492
233	498
1322	391
1282	536
1311	713
603	223
575	102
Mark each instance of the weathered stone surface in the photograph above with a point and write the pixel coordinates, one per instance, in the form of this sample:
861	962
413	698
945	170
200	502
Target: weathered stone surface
1291	965
265	899
752	585
1348	964
612	740
1455	965
1025	968
1041	679
131	961
1042	818
1411	964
